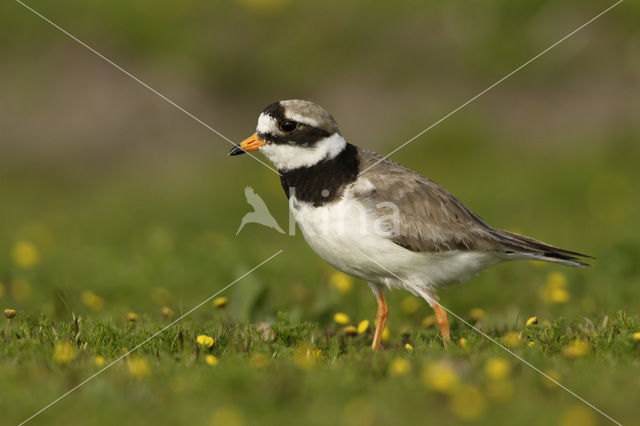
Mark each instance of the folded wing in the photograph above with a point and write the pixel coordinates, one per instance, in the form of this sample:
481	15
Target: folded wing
433	220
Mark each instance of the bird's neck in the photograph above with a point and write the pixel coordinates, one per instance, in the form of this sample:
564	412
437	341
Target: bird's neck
323	182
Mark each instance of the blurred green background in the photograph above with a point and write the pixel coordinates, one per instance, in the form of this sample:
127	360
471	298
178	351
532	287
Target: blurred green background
106	189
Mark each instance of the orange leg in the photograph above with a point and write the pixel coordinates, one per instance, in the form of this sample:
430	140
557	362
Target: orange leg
381	317
443	323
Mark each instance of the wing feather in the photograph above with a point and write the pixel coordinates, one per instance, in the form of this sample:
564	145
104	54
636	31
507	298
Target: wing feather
433	220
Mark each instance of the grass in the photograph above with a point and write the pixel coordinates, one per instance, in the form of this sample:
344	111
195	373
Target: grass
304	373
94	265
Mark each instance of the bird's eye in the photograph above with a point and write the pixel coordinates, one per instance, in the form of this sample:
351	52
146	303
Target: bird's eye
288	126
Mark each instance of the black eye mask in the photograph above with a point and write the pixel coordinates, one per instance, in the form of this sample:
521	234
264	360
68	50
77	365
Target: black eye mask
303	136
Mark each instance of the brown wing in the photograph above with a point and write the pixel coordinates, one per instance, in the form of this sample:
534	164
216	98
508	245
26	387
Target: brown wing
432	220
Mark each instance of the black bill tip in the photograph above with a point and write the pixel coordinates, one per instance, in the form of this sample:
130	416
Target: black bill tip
236	150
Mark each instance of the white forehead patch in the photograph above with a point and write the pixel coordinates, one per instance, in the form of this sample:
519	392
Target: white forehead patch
301	119
267	124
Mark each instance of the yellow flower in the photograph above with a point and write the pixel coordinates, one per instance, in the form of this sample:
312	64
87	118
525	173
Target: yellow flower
429	321
468	403
463	342
306	356
138	367
350	330
578	415
636	336
25	254
555	289
408	346
558	296
477	314
99	361
532	321
440	376
211	360
399	367
556	280
342	282
576	349
167	312
205	340
220	302
63	353
226	416
500	390
385	335
512	339
132	317
92	300
363	326
497	368
410	305
551	383
531	344
9	313
258	361
341	318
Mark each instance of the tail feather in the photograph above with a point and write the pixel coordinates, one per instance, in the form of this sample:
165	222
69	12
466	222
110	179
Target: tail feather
527	247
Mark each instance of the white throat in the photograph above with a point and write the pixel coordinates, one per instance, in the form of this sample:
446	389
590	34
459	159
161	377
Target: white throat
290	157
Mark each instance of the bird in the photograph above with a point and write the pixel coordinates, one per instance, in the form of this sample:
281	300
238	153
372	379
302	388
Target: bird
376	220
260	213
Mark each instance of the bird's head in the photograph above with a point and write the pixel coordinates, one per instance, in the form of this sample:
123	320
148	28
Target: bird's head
294	134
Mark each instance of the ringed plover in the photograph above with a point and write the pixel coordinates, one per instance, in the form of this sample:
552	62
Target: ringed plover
376	220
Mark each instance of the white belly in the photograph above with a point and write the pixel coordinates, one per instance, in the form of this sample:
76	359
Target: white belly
348	237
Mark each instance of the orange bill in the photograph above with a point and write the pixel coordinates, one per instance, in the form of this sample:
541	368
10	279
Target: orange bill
252	143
